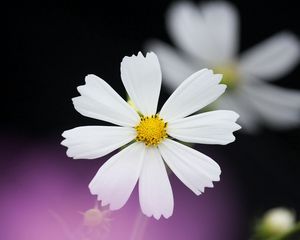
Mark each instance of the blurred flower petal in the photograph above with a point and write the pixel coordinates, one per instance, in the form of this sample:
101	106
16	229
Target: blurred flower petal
249	117
274	104
156	197
272	58
173	64
208	33
222	19
276	222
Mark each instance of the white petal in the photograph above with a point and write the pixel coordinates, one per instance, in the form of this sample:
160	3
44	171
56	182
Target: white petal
175	66
197	91
96	141
193	168
141	77
272	58
279	107
208	33
222	21
214	127
98	100
117	177
156	197
236	101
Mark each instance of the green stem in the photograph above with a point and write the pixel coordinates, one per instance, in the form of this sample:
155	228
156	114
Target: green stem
293	234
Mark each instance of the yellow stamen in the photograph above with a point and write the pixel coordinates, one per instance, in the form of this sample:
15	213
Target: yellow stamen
94	217
151	130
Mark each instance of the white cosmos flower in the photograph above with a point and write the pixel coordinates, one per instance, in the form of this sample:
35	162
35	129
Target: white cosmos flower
151	136
278	221
207	35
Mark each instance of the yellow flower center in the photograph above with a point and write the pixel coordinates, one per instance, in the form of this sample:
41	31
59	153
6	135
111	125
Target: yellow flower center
151	130
230	75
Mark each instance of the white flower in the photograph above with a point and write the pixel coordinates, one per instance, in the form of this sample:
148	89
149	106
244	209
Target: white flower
150	135
278	221
207	35
96	218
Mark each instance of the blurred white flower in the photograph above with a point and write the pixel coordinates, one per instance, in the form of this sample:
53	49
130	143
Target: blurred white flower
278	221
207	35
95	217
150	134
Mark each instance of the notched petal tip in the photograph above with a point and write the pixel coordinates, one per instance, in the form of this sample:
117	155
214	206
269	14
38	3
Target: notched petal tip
218	76
90	76
237	127
91	189
93	192
151	54
235	114
133	56
65	133
210	184
210	71
139	56
74	99
222	88
159	215
217	176
63	143
166	216
230	140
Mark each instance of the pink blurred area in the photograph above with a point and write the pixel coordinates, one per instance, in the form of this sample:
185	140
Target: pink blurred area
43	192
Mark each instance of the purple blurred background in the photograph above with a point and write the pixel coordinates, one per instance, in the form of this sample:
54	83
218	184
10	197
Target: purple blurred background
43	192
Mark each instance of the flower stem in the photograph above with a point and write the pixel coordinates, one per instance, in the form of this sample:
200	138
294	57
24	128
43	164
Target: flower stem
139	227
293	234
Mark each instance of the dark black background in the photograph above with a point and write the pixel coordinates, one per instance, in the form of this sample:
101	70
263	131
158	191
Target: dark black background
52	47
